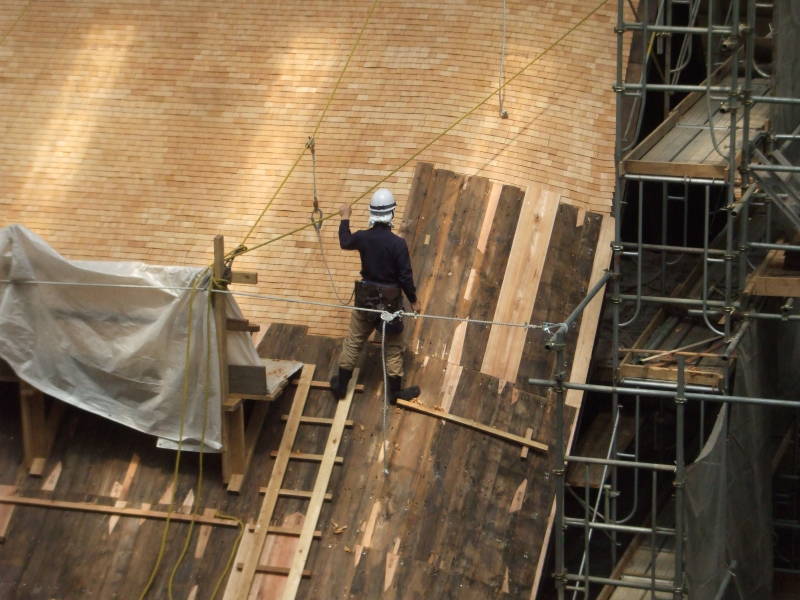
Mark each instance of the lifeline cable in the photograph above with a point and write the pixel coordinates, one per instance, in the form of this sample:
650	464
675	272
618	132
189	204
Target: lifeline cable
468	320
448	129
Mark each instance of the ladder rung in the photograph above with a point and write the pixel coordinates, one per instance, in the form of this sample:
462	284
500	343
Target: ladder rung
294	493
324	385
278	530
317	420
307	457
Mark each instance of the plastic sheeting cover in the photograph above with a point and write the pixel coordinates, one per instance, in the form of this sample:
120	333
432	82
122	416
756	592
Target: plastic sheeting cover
118	352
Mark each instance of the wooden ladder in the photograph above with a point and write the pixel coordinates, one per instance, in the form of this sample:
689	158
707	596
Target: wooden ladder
252	544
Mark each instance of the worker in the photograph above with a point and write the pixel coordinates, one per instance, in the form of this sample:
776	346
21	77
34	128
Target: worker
386	275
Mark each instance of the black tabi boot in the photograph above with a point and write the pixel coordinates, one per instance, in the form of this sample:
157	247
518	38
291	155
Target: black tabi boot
396	390
339	383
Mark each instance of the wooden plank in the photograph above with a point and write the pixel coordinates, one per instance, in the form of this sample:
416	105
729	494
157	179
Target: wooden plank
521	280
483	289
317	420
429	259
115	510
245	277
279	570
528	435
690	109
255	423
566	276
241	325
236	448
247	380
510	437
307	457
694	376
664	127
275	481
232	427
771	279
6	510
456	241
675	169
587	332
34	428
318	493
203	535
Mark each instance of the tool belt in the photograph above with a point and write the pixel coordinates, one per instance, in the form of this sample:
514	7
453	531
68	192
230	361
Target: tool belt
377	296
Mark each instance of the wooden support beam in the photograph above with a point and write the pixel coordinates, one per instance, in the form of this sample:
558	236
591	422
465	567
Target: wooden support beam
528	436
241	325
246	277
493	431
232	419
139	513
35	436
236	448
6	510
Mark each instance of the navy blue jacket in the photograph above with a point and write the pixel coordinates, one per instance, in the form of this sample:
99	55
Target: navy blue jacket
384	256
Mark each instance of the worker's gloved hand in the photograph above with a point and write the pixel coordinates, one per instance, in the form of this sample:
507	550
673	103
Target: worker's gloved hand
415	307
344	211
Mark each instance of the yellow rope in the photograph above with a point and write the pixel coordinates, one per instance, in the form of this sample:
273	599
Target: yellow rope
319	121
16	22
176	467
232	554
197	499
448	129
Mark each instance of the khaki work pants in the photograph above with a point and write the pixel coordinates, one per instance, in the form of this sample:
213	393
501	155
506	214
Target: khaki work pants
361	326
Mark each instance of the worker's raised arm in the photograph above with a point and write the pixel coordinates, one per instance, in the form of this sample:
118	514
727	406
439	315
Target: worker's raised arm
347	241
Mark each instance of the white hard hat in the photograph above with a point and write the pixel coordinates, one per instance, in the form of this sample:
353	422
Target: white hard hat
381	207
382	202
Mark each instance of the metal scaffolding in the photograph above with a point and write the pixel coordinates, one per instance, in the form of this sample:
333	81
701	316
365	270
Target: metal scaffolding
749	183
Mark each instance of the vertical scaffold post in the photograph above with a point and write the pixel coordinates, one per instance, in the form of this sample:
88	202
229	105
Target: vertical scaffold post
680	478
557	343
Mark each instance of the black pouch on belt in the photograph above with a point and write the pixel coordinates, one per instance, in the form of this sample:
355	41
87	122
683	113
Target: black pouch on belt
380	297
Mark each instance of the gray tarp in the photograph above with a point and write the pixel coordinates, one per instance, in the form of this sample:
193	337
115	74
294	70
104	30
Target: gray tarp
118	352
729	486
